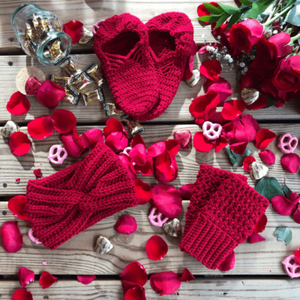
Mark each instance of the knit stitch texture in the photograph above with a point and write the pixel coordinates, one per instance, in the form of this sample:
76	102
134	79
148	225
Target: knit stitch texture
71	200
122	46
222	213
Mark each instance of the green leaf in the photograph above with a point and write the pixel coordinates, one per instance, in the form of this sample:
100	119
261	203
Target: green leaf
286	191
269	187
222	19
235	17
237	159
293	16
228	9
247	2
290	2
258	8
212	9
210	19
283	234
271	102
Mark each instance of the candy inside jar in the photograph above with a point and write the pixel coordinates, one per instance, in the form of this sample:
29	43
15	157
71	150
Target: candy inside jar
39	33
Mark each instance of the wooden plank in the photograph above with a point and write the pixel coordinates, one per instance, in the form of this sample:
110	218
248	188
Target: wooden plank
188	160
77	255
89	12
204	289
177	111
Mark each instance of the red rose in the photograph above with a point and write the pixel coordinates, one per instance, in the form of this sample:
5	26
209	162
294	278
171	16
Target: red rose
257	70
246	34
287	74
202	11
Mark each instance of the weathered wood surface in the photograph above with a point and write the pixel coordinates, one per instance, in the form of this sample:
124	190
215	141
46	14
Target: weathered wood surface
77	255
22	167
94	113
204	289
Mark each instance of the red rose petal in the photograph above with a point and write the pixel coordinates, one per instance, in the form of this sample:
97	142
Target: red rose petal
18	104
289	162
221	86
41	127
172	146
202	144
50	93
25	276
117	141
157	149
263	138
86	279
232	109
22	294
19	143
261	224
143	190
211	69
38	173
228	263
46	280
74	29
283	206
135	272
247	163
64	120
239	148
135	293
297	255
17	206
186	191
220	143
32	85
127	163
72	143
166	169
183	136
113	125
186	276
165	283
126	225
11	237
91	137
267	156
167	200
138	154
156	248
255	238
296	215
147	168
137	139
261	102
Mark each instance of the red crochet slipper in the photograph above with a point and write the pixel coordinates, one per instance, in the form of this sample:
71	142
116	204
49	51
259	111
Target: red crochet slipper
171	40
122	46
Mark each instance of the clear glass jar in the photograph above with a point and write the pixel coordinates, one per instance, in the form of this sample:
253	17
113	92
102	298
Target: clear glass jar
39	33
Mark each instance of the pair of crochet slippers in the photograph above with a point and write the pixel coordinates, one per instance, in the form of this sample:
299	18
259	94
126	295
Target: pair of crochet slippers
144	63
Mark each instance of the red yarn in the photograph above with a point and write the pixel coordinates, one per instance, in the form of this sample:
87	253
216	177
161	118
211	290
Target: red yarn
122	46
223	212
63	204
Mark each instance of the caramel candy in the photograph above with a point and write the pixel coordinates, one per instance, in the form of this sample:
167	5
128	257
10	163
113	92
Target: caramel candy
70	96
258	170
80	82
62	81
91	97
95	74
30	47
111	110
55	51
9	128
103	245
87	37
134	126
249	95
69	67
172	228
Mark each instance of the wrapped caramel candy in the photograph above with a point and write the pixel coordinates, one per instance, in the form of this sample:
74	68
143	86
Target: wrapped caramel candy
95	74
55	51
9	128
62	81
134	126
70	96
103	245
87	37
80	82
90	97
31	34
69	67
111	110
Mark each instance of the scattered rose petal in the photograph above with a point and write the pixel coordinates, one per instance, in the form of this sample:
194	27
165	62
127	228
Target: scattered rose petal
283	205
228	263
137	139
74	29
86	279
41	127
46	280
32	85
156	248
247	163
186	191
186	276
263	138
232	109
25	276
267	156
11	237
289	162
239	148
255	238
72	143
50	93
220	143
116	136
17	206
261	224
135	293
18	180
296	215
135	272
143	190
126	225
127	163
165	283
91	137
167	200
18	104
157	149
297	255
211	69
44	263
19	143
147	168
64	120
221	86
261	102
201	143
38	173
183	136
138	154
22	294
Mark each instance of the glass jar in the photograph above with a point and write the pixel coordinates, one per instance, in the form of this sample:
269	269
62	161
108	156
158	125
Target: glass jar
39	33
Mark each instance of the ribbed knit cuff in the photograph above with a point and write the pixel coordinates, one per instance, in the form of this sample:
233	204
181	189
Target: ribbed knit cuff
206	242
